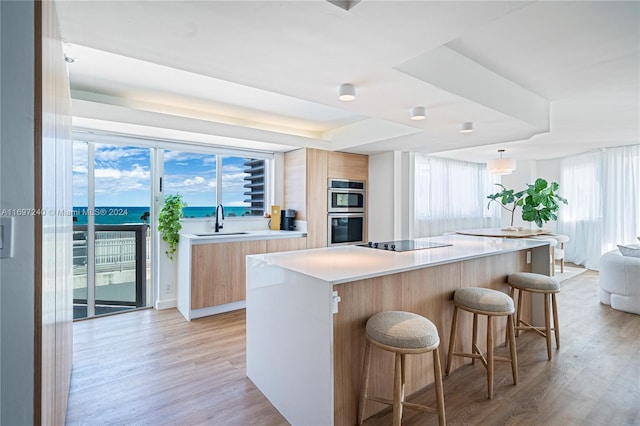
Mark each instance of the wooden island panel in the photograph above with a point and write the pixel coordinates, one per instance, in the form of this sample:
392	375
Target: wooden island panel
428	292
314	378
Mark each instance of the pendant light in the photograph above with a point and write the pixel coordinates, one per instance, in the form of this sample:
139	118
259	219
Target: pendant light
501	166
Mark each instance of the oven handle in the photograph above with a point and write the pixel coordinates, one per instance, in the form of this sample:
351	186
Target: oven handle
345	214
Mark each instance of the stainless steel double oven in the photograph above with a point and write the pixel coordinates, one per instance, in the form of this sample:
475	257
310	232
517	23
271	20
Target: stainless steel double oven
346	218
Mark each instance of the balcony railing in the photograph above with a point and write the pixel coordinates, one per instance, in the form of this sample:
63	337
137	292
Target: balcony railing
121	259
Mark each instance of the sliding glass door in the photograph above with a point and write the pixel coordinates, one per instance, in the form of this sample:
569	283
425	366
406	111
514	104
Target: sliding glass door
111	199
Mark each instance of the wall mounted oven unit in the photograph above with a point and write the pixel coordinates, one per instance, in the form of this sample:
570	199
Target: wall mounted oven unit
346	196
346	228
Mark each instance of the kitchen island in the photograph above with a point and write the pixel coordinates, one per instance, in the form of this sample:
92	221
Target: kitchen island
306	313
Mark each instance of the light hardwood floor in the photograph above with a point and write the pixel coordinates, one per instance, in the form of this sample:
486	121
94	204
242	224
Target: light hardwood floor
154	368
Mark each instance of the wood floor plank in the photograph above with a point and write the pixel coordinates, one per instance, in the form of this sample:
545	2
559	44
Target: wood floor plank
154	368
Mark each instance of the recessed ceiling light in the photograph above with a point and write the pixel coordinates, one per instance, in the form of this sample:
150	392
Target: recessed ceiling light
69	59
347	92
418	113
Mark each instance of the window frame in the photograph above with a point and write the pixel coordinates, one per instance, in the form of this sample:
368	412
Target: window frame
162	145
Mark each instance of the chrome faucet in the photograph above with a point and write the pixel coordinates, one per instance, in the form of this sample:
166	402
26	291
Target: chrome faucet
219	209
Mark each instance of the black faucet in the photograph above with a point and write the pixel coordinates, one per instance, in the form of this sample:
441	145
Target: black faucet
219	209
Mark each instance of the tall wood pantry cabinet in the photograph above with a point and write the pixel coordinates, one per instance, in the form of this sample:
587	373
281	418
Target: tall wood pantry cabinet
306	176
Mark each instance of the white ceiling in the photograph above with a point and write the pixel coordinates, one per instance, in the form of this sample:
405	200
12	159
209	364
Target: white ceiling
540	79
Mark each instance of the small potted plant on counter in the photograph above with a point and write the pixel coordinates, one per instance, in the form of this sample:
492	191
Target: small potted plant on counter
169	224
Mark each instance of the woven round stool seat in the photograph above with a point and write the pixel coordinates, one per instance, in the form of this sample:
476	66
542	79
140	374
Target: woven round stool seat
484	299
533	282
403	330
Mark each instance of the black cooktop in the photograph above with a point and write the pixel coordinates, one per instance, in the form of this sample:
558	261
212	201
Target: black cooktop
403	245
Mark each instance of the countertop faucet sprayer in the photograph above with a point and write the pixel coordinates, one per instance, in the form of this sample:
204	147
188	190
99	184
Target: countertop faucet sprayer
219	210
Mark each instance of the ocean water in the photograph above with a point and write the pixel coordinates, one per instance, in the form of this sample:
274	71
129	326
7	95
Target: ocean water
110	215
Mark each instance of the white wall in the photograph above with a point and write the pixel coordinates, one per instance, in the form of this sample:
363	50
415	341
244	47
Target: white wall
17	191
389	196
380	212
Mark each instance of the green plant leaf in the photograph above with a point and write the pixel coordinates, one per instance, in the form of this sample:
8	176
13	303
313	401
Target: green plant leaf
169	224
541	202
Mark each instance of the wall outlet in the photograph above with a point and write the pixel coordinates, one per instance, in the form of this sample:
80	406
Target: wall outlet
167	288
528	257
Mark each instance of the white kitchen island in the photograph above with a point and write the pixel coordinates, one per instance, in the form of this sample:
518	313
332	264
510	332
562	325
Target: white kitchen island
306	312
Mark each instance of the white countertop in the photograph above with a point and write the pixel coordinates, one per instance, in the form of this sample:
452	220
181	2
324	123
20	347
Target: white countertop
227	237
341	264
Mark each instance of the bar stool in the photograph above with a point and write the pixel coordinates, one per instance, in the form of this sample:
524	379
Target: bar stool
548	287
484	301
402	333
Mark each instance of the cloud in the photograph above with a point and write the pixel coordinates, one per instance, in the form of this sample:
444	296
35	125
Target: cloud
111	153
185	157
123	172
198	180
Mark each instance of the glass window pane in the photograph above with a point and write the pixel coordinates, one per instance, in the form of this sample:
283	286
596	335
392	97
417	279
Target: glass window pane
192	175
243	186
80	190
122	184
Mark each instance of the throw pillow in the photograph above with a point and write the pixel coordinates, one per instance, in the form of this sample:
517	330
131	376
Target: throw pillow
631	250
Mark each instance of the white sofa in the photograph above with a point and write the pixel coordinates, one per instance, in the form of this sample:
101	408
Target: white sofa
620	281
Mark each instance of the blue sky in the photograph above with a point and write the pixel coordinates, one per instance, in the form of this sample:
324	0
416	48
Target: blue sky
122	176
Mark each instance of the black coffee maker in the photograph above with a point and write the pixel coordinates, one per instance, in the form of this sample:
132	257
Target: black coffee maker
287	220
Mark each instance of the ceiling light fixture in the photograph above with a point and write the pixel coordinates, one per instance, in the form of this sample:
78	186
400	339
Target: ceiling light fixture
418	113
347	92
467	127
501	166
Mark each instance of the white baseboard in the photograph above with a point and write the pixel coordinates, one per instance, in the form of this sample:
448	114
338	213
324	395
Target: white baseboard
165	304
212	310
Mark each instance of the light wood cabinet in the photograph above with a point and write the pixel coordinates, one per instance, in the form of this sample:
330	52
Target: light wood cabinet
212	276
306	176
305	190
286	244
342	165
218	272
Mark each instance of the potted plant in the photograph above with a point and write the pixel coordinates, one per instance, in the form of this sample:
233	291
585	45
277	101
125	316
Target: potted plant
539	201
169	224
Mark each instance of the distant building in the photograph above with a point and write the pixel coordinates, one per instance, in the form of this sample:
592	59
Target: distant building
254	178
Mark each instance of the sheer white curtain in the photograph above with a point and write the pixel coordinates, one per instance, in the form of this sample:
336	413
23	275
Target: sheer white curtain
451	195
603	190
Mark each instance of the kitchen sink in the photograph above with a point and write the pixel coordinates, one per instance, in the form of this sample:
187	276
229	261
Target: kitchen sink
220	234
